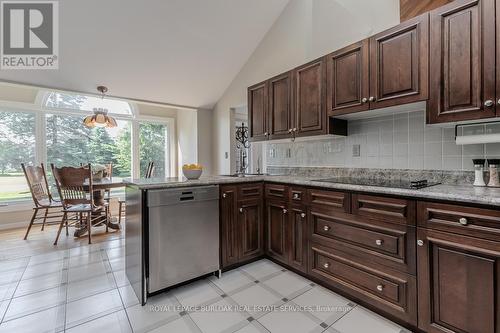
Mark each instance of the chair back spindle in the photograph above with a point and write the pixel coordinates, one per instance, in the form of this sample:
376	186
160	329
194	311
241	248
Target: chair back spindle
74	185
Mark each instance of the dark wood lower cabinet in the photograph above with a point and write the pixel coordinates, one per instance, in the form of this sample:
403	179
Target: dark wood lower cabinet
390	291
229	225
458	283
251	224
276	226
297	237
242	223
429	265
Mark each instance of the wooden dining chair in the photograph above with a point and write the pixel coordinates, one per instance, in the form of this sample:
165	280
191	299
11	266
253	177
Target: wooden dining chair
76	192
121	202
42	198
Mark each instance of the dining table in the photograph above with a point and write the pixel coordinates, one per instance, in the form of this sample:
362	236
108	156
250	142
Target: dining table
99	188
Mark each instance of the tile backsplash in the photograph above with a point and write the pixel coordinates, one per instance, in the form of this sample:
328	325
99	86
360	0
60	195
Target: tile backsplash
399	141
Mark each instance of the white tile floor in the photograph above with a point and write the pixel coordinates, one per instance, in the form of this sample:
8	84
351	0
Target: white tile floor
86	290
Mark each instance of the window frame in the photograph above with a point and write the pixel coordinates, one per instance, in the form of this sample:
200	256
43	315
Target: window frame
41	111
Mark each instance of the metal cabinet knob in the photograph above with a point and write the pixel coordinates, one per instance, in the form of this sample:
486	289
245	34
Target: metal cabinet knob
380	287
420	242
379	242
364	100
326	264
326	228
290	130
302	215
224	195
463	221
266	133
296	196
371	99
498	102
489	103
241	210
285	211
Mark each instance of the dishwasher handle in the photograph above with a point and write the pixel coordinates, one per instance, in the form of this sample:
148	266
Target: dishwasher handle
174	196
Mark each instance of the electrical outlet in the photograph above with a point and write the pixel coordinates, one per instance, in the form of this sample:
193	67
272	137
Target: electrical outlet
356	150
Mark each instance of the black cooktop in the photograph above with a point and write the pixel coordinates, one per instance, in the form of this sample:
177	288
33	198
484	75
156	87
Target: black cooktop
395	183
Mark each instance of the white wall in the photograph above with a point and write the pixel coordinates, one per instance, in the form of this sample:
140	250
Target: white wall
205	151
307	29
187	137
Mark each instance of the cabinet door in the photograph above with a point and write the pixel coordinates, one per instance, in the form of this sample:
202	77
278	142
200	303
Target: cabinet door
257	111
280	106
347	79
310	98
458	283
462	61
276	225
229	226
297	238
399	64
250	221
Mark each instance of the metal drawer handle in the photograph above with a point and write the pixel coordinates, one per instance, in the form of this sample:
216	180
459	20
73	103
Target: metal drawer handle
302	215
326	228
379	242
326	264
380	287
489	103
420	242
463	221
241	210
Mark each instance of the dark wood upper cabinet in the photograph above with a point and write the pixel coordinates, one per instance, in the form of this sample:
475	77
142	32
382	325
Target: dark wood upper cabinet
229	226
250	220
280	106
257	111
348	79
309	98
458	283
399	64
462	61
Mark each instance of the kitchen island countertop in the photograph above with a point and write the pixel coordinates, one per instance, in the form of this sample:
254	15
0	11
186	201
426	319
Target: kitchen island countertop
455	193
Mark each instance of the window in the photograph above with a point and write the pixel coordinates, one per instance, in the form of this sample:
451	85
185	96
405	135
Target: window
54	133
17	145
69	142
68	101
153	145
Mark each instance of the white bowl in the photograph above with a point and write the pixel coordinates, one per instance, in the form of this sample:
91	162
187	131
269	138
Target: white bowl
192	173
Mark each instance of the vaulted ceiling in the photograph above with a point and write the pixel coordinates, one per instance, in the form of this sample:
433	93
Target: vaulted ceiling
183	52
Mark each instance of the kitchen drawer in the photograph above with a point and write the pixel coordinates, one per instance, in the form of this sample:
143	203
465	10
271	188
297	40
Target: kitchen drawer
334	201
249	191
382	243
471	221
276	191
387	209
390	291
298	195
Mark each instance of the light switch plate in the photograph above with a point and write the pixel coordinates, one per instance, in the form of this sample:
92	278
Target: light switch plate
356	150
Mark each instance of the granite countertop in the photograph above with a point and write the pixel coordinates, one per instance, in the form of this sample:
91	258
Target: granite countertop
460	193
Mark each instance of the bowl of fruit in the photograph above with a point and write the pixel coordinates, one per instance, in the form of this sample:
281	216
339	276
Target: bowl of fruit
192	171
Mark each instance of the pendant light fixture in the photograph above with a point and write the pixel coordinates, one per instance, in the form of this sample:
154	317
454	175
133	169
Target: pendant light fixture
100	117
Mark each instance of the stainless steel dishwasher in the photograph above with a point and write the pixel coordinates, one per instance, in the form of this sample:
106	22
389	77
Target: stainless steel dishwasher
183	235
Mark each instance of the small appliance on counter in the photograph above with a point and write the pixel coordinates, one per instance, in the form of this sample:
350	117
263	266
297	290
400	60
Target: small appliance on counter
493	167
479	172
